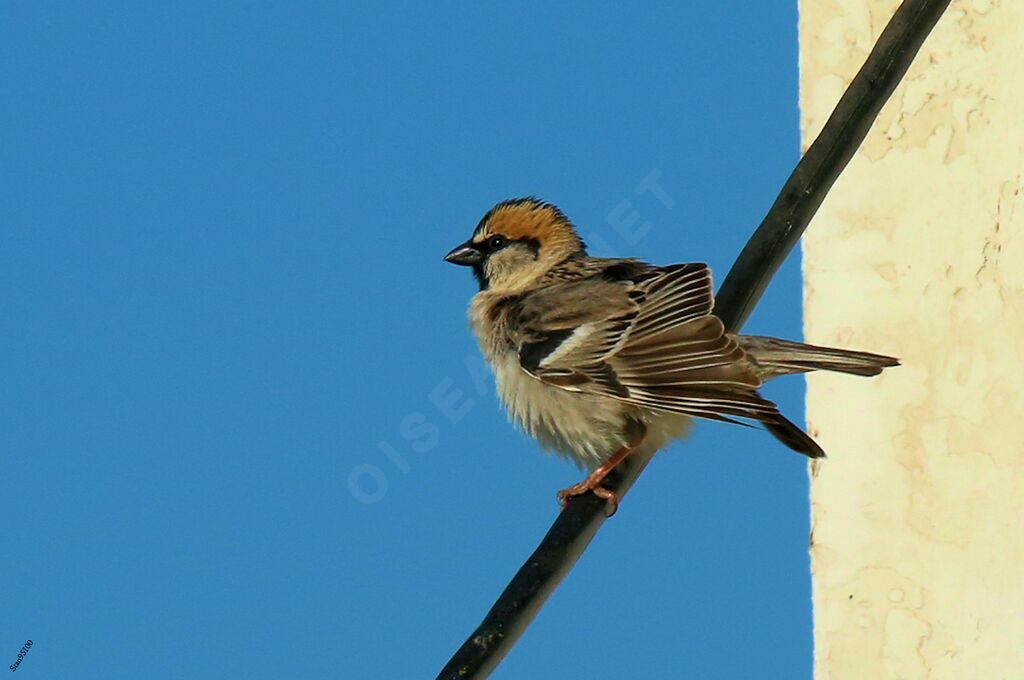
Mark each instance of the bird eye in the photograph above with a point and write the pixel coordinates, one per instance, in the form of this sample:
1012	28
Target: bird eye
496	242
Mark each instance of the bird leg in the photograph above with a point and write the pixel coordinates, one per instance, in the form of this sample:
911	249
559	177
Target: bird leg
595	478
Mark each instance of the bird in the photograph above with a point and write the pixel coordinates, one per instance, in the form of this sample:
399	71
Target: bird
599	358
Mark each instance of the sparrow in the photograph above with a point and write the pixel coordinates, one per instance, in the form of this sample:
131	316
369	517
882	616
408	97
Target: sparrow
598	358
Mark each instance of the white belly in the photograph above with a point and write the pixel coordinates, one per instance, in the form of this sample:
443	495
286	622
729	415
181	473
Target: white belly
584	427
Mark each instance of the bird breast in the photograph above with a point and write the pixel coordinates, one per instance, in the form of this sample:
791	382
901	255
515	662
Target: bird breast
587	428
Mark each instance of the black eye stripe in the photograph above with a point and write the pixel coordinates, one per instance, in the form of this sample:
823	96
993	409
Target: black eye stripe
498	242
492	244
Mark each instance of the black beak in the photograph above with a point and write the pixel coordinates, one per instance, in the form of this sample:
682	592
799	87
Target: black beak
464	254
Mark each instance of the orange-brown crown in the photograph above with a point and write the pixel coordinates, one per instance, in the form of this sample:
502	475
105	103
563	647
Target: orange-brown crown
530	219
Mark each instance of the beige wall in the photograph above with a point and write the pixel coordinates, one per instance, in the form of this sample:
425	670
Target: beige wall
918	513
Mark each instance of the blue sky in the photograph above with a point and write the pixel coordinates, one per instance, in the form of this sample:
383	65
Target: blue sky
243	426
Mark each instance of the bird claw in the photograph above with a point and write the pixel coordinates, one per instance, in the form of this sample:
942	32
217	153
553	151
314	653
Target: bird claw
612	498
593	482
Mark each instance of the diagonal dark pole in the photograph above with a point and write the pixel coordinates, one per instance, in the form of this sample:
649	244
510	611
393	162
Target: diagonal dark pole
761	257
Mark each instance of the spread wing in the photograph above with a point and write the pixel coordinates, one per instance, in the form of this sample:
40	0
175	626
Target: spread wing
644	336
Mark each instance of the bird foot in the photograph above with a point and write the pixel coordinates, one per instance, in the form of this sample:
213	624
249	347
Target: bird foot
591	484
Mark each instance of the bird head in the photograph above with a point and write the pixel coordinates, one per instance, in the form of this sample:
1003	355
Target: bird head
517	242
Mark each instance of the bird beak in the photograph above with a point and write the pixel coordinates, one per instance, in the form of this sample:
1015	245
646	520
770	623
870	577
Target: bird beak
464	254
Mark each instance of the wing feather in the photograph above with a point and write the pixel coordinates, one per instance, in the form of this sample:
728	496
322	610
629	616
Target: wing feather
650	341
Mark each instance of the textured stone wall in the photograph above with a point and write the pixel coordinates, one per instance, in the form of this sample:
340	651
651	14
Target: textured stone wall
918	513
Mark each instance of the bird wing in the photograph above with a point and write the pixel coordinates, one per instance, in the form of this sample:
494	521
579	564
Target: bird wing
644	336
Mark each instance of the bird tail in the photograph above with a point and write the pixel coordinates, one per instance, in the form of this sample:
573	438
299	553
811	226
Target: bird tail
773	357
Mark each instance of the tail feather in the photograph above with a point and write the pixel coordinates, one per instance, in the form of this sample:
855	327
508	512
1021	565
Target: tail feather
774	357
